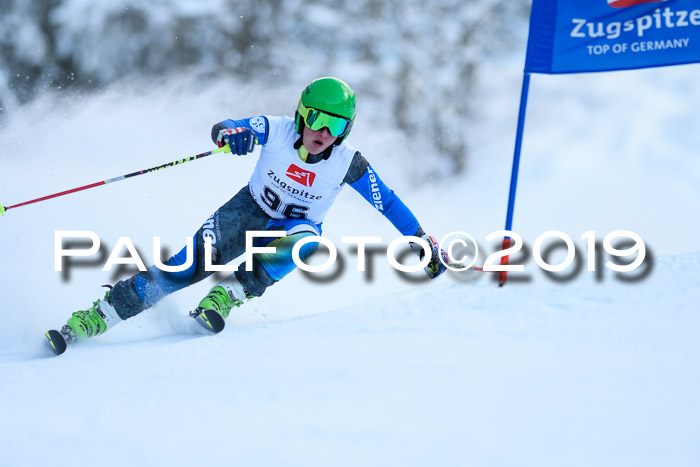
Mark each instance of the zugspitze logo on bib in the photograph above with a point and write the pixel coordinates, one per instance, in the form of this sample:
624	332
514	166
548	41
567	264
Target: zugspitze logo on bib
300	175
626	3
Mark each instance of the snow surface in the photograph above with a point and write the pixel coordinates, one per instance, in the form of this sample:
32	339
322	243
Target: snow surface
364	368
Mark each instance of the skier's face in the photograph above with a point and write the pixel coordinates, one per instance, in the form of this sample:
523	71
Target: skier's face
317	141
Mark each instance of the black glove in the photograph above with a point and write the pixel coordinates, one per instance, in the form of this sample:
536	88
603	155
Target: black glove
241	140
435	267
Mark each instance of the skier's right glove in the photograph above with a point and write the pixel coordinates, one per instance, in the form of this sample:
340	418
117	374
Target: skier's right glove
241	140
435	267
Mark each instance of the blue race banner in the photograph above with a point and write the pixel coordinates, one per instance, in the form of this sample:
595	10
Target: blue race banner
574	36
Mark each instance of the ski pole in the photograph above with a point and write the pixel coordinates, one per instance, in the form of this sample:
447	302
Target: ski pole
225	148
470	268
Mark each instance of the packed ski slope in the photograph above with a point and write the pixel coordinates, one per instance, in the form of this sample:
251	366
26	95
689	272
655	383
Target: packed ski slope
363	368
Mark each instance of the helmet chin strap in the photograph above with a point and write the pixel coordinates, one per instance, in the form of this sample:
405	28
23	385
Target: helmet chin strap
303	153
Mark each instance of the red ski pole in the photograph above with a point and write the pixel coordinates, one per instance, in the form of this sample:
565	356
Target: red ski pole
116	179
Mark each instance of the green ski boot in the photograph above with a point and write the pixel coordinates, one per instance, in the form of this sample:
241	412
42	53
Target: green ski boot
216	306
88	323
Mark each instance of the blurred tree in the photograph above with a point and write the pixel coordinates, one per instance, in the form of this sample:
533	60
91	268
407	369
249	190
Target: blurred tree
416	61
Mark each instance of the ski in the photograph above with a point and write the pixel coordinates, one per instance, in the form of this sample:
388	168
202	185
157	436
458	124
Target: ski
211	320
57	343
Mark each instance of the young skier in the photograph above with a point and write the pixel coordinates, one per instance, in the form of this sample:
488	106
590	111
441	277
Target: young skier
304	163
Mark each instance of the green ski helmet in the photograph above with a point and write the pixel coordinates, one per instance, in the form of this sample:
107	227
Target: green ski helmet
327	102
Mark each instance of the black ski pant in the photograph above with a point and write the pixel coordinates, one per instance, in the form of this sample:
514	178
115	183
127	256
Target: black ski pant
227	230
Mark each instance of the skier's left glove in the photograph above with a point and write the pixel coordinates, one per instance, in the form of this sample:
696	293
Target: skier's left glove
435	267
241	140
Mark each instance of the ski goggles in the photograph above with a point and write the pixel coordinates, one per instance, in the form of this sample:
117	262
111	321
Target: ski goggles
317	119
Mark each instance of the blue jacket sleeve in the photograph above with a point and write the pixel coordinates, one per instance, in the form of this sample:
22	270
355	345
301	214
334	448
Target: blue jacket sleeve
259	125
371	187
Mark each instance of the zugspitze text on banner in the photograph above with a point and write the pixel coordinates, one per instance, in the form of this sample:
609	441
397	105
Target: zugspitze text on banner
571	36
